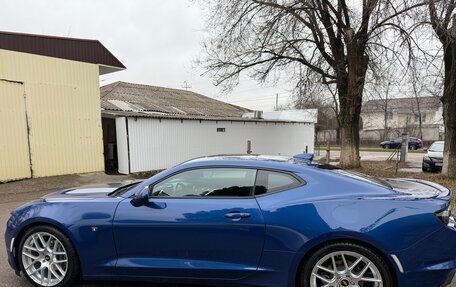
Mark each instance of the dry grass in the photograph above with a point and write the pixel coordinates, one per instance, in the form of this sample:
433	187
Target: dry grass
388	169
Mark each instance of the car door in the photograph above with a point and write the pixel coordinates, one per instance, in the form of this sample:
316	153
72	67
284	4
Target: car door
199	223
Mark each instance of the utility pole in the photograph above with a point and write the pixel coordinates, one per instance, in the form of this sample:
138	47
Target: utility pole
277	102
186	86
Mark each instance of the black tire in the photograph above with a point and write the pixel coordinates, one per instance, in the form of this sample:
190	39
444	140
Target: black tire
380	263
383	147
424	169
73	269
387	146
412	147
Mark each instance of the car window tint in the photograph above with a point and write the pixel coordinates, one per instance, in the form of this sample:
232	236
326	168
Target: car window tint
272	181
213	182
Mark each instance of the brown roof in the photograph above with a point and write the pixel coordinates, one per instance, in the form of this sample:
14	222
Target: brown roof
82	50
402	104
159	101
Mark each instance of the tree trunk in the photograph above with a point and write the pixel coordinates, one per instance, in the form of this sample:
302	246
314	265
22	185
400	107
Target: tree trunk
350	88
449	110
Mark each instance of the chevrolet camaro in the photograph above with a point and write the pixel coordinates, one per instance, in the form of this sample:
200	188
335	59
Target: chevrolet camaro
240	221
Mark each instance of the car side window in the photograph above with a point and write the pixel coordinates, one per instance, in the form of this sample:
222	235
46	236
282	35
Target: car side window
207	182
273	181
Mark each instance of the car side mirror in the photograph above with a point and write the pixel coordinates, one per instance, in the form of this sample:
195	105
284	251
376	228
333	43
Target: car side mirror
425	149
141	198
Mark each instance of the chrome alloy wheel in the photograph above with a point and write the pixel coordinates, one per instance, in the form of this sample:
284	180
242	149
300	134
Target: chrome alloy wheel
44	258
345	269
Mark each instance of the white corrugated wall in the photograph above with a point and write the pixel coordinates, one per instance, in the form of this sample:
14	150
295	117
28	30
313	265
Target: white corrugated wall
159	144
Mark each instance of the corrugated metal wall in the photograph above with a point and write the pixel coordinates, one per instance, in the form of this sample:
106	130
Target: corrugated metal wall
156	144
63	107
14	150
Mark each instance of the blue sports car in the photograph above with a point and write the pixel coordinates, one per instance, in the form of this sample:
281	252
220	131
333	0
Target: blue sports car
241	221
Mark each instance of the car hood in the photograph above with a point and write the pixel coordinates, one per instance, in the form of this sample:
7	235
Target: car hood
435	154
87	192
419	189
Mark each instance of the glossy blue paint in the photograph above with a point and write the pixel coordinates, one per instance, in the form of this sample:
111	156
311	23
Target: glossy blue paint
251	241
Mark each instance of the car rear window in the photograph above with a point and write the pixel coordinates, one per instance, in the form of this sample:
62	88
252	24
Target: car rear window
362	177
355	175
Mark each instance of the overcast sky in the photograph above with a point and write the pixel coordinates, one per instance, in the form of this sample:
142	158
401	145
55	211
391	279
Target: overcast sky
157	40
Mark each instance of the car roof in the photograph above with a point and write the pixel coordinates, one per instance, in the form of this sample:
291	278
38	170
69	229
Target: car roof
257	160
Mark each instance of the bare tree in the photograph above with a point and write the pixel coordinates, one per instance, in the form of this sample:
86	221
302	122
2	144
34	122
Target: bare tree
443	21
323	42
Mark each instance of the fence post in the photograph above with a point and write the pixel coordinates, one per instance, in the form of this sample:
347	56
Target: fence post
307	148
249	147
328	151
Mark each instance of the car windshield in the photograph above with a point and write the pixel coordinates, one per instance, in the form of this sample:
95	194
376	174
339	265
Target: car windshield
123	189
436	147
363	177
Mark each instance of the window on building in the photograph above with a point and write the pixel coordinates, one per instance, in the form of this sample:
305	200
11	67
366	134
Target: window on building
220	130
389	115
423	118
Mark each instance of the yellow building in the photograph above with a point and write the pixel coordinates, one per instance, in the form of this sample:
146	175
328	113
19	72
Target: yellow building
50	119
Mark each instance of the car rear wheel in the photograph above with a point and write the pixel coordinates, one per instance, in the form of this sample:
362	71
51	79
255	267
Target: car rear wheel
47	257
345	264
413	147
387	146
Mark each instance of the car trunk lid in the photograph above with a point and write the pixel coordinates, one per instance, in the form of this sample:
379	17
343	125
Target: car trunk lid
419	189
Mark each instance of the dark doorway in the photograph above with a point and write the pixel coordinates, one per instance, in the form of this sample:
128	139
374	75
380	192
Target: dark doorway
110	144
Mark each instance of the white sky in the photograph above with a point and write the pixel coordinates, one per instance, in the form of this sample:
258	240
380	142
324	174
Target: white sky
157	41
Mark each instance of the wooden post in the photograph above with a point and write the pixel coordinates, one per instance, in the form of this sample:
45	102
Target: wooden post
328	151
404	147
249	147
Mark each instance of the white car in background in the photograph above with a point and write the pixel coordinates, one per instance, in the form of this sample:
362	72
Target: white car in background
433	159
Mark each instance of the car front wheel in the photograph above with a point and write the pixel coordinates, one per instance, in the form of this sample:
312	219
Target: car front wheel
345	264
47	257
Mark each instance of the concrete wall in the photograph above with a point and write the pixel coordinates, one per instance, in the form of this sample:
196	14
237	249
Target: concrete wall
158	144
62	106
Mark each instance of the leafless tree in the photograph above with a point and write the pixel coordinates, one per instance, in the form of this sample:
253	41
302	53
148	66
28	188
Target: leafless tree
313	42
443	20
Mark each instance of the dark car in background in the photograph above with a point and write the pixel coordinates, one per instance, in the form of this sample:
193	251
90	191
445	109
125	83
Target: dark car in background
433	159
414	143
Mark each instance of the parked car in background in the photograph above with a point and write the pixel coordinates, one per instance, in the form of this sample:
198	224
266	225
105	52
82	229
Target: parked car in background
433	159
414	143
241	221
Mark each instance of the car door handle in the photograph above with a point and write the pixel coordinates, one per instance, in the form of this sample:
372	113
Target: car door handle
237	215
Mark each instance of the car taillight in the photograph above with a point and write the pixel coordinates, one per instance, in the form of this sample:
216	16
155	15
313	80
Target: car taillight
445	217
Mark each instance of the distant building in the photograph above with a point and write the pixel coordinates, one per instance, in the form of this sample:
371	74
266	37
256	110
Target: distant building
149	128
403	115
50	121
